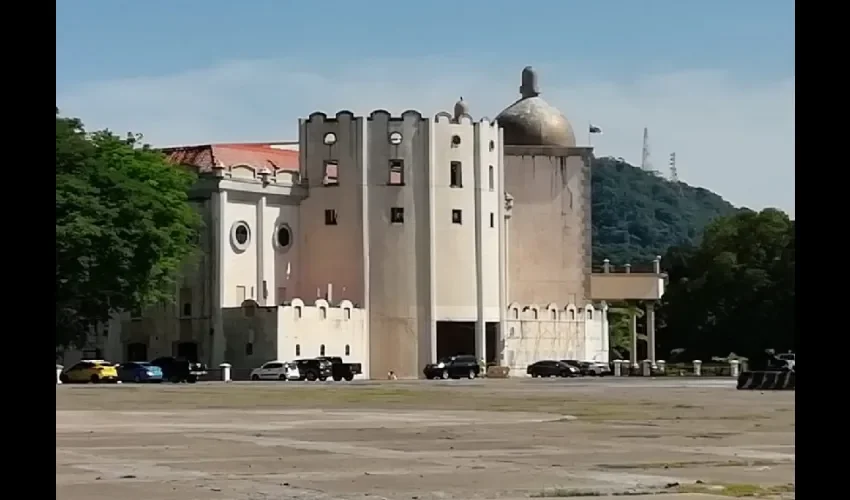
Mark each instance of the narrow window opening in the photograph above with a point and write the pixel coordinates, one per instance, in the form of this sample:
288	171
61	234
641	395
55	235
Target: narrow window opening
322	350
330	217
554	314
590	314
397	215
323	312
249	349
331	175
492	178
492	219
456	175
298	349
516	313
572	314
347	313
347	350
492	145
534	313
457	217
297	311
396	173
186	302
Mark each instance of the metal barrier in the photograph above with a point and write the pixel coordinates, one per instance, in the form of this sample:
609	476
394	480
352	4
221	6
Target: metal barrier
767	381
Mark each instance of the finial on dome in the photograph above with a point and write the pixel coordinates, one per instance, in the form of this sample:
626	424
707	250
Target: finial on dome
529	83
461	108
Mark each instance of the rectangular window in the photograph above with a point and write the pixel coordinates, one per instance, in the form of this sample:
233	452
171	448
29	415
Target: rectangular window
396	173
331	175
492	219
185	302
457	217
492	178
330	217
397	215
456	175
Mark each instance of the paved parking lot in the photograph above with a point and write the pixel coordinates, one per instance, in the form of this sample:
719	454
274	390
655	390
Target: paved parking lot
422	440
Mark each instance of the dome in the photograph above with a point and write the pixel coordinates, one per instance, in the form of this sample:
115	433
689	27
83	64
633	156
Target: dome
531	121
461	108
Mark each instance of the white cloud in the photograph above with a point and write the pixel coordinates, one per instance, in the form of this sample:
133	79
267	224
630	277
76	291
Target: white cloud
735	138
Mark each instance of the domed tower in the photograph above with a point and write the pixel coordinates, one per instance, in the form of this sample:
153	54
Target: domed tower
548	232
531	121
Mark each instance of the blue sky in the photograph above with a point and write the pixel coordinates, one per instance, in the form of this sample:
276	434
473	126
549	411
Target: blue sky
713	81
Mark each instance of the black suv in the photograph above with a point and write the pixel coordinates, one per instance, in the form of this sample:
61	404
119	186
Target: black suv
453	367
312	369
179	369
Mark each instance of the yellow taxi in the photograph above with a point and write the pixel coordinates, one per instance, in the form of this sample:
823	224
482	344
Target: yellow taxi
90	370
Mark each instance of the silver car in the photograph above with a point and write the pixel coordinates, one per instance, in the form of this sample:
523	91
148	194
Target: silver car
276	370
595	368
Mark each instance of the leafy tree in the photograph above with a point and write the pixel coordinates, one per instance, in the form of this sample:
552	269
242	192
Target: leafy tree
734	292
637	215
123	226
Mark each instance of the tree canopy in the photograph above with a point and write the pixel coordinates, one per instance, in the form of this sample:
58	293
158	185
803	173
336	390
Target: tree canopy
637	215
124	226
734	292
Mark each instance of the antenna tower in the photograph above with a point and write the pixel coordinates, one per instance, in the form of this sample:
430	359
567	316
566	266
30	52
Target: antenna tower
645	162
674	174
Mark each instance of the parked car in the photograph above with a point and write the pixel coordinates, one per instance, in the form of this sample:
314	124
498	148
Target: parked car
276	370
453	367
575	364
340	370
595	368
90	370
178	370
787	361
551	368
139	371
312	369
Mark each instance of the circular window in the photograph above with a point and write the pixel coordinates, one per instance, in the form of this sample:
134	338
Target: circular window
395	138
283	237
240	235
492	145
330	139
455	140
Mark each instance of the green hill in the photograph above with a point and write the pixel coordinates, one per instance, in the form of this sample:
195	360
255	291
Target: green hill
638	214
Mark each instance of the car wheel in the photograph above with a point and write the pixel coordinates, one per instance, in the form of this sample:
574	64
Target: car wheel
137	379
255	377
349	377
174	379
192	379
64	379
444	375
311	376
282	377
471	374
94	379
337	378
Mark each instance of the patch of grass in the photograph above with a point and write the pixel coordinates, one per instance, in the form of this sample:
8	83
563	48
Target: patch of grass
737	490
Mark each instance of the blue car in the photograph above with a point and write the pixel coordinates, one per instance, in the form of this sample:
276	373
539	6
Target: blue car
139	371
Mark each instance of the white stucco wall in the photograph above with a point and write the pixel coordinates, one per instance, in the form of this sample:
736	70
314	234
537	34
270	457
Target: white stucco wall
305	328
537	333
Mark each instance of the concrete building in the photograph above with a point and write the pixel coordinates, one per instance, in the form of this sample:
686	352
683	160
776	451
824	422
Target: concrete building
390	241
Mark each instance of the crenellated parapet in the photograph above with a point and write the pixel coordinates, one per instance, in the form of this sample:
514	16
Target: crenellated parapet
552	312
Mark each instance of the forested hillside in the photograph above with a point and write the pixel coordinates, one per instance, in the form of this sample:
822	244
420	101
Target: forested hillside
638	214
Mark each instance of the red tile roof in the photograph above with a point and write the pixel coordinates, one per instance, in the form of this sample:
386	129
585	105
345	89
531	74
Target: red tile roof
203	157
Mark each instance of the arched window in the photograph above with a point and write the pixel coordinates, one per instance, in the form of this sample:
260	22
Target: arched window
554	314
322	350
572	314
347	350
516	313
298	349
534	313
347	313
590	314
297	312
323	312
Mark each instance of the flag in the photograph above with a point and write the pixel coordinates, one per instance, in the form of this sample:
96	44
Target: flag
594	130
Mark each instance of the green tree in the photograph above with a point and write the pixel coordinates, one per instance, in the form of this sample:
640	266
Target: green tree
619	325
124	226
735	291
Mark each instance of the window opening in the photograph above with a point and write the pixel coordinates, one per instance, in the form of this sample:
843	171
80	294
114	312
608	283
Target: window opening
331	175
396	173
456	175
330	217
457	217
397	215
